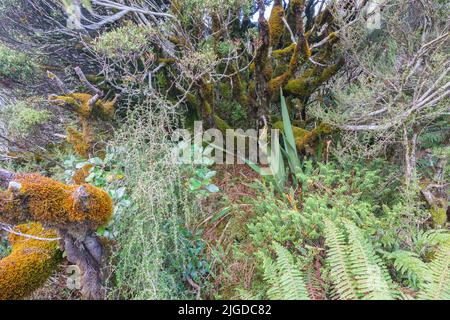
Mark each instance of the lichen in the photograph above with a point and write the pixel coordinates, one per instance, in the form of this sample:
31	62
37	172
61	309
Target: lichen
30	263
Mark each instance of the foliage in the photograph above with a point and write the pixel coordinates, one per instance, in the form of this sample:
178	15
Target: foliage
373	246
124	42
21	118
15	65
161	209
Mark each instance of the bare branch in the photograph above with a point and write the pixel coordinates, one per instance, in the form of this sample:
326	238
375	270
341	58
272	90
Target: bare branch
86	82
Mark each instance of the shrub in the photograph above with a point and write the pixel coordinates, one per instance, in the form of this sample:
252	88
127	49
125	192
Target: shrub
353	215
20	118
123	42
15	65
152	257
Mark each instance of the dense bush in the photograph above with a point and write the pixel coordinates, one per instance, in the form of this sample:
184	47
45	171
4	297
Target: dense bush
16	65
383	222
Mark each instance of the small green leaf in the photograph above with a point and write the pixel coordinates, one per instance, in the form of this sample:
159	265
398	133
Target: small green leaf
194	184
212	188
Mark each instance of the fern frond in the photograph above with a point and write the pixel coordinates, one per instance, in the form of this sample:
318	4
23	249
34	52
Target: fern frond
337	260
271	276
432	238
246	295
371	277
285	278
409	263
439	287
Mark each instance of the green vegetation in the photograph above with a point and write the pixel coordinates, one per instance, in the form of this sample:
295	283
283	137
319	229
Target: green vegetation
353	204
21	118
16	65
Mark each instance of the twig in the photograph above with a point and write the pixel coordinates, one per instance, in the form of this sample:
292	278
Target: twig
54	78
32	151
86	82
10	229
290	30
195	286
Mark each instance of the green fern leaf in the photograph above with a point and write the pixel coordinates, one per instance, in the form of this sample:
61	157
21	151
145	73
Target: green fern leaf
409	263
285	278
371	277
337	260
439	287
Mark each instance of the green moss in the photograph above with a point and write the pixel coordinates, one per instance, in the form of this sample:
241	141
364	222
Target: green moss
79	102
439	215
21	118
16	65
221	124
276	24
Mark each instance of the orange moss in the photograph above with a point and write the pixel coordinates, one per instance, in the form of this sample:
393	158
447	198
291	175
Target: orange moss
81	174
55	204
30	263
79	141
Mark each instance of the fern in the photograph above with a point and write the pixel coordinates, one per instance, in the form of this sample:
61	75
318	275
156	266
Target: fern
439	287
356	271
371	277
409	264
246	295
285	279
433	237
337	260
